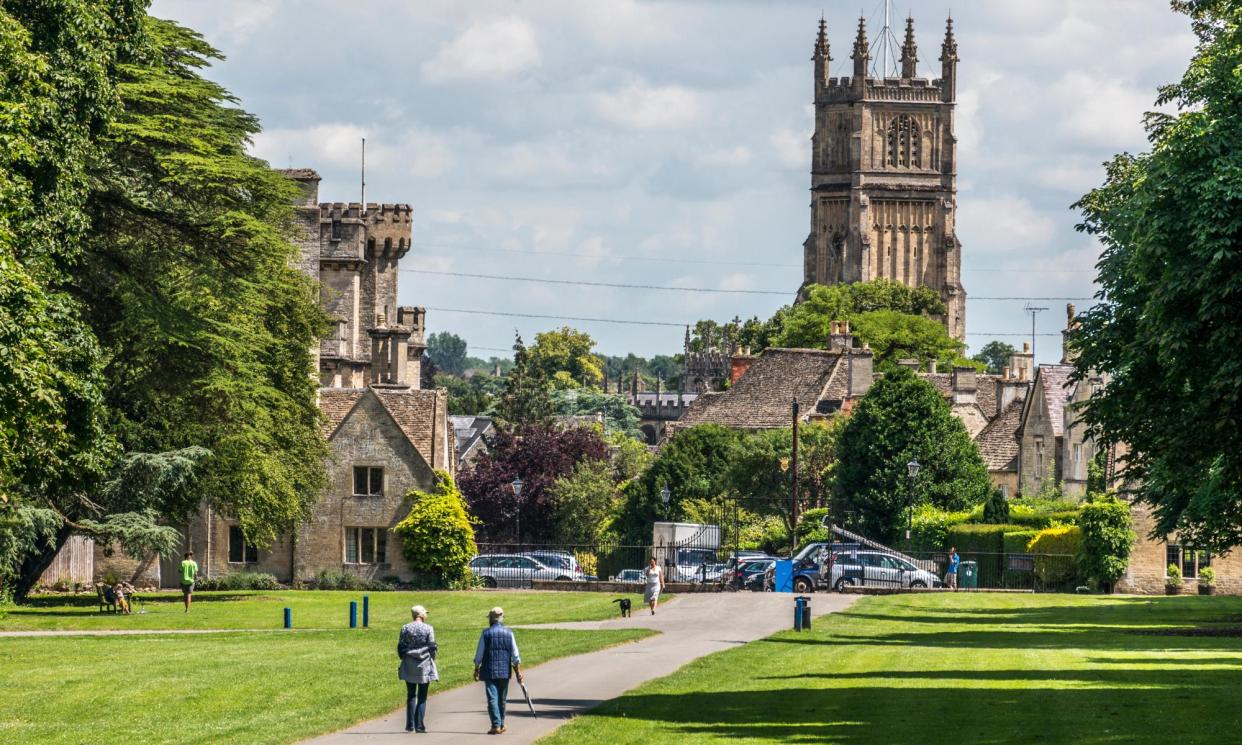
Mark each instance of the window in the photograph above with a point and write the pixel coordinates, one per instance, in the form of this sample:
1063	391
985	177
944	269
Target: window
366	545
239	551
368	481
1077	455
1190	559
336	229
1004	490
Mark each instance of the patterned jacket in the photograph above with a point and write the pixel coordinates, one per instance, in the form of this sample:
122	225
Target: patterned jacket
417	649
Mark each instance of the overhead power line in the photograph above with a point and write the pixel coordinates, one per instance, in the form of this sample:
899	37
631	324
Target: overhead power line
623	257
510	314
663	288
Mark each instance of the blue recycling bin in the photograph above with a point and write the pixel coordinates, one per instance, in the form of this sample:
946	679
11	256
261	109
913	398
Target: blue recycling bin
782	576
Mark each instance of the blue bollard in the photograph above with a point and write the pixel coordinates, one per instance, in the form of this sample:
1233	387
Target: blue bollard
798	601
353	614
288	618
366	612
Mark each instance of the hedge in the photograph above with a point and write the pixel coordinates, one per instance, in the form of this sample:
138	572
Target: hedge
1061	541
1107	539
1017	541
930	528
980	538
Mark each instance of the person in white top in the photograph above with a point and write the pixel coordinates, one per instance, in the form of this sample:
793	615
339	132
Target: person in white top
655	583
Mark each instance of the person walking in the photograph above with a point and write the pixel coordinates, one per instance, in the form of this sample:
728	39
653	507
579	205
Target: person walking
950	577
494	659
416	646
655	582
189	575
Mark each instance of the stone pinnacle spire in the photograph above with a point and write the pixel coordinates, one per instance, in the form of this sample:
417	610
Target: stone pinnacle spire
948	63
909	52
861	56
821	58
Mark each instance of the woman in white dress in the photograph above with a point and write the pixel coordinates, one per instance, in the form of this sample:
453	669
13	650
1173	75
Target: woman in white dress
655	583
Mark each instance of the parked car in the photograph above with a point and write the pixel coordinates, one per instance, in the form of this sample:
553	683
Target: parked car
694	565
879	568
555	559
741	568
513	569
752	572
806	564
630	575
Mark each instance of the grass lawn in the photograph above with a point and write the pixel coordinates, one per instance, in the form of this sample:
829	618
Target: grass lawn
957	669
252	687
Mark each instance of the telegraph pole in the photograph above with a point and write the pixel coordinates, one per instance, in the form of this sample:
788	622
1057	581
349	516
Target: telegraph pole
793	486
1033	311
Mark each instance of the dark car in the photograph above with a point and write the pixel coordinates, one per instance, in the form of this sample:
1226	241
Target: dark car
806	564
741	568
755	574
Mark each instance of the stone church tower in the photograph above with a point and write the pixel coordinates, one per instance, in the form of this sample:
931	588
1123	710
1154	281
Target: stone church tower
883	175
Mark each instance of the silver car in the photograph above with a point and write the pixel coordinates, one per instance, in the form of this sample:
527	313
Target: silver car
558	559
513	570
879	569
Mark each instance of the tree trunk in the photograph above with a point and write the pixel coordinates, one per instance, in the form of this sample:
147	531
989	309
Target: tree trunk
36	563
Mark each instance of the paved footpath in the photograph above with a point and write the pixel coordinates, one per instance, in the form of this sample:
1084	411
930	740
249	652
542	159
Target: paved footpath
691	626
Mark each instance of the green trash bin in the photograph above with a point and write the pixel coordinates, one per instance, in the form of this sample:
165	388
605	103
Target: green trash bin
968	575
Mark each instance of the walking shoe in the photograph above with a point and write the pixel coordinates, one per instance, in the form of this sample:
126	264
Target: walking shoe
493	731
500	731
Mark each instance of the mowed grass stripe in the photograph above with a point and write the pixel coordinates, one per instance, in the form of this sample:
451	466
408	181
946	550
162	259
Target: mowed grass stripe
955	669
257	687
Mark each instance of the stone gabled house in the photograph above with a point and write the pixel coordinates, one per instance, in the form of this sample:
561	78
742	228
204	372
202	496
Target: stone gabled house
386	435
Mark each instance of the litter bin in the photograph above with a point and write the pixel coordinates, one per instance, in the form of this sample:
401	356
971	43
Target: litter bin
802	613
968	575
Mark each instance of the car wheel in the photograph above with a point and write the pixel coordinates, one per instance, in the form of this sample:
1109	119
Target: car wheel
802	584
919	584
489	582
841	583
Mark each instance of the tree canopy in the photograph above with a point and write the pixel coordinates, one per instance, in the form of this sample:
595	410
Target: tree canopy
448	352
1169	325
995	355
903	418
564	355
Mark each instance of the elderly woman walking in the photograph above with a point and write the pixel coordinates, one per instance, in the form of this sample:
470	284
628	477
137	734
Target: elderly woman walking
655	582
417	649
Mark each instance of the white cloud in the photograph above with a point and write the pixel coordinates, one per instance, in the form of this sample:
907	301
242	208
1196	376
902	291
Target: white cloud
639	105
493	49
421	153
1100	110
729	156
793	149
1003	224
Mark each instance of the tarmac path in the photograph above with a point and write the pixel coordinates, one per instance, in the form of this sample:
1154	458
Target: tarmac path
692	626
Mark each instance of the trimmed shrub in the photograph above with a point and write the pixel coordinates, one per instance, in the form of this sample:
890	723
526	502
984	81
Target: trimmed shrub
1017	541
1051	546
438	535
996	509
339	579
930	530
1107	539
980	538
240	581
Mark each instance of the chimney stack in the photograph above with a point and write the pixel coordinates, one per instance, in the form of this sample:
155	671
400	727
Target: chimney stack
739	363
840	339
965	388
1022	364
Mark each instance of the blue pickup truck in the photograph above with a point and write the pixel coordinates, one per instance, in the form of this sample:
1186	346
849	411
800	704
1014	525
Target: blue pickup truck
806	576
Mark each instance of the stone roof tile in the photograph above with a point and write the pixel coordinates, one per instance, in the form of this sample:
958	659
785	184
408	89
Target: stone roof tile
761	398
998	442
336	403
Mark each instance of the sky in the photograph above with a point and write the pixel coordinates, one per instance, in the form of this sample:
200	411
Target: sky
668	144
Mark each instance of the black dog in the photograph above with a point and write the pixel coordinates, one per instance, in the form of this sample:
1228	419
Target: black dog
625	606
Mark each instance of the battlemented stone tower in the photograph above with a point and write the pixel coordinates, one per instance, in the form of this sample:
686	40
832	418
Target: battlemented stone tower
353	254
883	175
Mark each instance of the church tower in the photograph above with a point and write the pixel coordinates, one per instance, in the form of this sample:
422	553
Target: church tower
883	175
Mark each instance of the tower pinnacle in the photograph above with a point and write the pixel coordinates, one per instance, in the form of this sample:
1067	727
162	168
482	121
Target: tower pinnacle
861	55
948	62
822	58
909	52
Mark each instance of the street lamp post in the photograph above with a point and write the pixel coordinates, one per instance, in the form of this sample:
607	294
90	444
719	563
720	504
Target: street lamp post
665	496
517	494
912	468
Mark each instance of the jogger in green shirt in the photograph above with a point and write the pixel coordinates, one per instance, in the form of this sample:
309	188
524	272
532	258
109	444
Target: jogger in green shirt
189	573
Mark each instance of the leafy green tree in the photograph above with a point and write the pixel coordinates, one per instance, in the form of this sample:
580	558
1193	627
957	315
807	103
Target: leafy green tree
1169	325
1107	539
475	395
619	414
809	323
994	354
527	399
693	465
447	352
894	336
903	418
583	504
437	536
564	356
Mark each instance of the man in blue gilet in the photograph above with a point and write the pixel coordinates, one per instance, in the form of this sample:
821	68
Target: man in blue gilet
494	658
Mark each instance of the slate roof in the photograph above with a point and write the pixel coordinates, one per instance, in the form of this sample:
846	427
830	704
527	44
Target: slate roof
414	412
998	442
1057	390
760	399
468	432
985	389
336	403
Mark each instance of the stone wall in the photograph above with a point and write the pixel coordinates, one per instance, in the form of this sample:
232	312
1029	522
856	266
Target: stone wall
1148	562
